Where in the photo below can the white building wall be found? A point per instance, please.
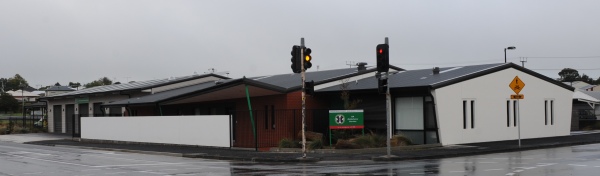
(63, 102)
(490, 93)
(212, 130)
(51, 113)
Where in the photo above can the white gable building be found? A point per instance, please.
(470, 104)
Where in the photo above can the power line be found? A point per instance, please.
(564, 68)
(566, 57)
(451, 63)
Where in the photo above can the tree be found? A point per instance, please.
(16, 83)
(568, 75)
(100, 82)
(106, 81)
(586, 78)
(57, 84)
(8, 103)
(345, 96)
(75, 85)
(43, 88)
(3, 84)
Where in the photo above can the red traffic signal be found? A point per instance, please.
(383, 57)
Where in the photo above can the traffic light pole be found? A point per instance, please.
(388, 110)
(303, 99)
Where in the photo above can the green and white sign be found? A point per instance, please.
(346, 119)
(82, 100)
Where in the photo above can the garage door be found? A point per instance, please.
(57, 119)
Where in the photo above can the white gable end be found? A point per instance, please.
(485, 115)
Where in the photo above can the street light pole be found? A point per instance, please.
(509, 48)
(23, 102)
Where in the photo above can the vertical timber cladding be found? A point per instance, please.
(57, 116)
(346, 119)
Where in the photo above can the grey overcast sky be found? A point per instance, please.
(81, 40)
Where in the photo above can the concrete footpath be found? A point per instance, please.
(410, 153)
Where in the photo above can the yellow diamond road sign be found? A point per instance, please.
(516, 85)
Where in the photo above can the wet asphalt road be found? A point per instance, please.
(23, 159)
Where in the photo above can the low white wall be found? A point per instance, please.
(210, 130)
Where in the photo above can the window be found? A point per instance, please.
(409, 113)
(468, 113)
(515, 112)
(272, 116)
(267, 117)
(507, 113)
(551, 112)
(546, 112)
(472, 113)
(464, 114)
(415, 117)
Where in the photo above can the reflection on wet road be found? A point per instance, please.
(576, 160)
(22, 159)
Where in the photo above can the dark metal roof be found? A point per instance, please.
(281, 83)
(192, 91)
(447, 76)
(292, 81)
(157, 97)
(140, 85)
(60, 88)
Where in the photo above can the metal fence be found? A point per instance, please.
(26, 124)
(265, 128)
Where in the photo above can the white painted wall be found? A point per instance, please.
(51, 104)
(490, 93)
(208, 130)
(93, 99)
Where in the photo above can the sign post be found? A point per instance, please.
(345, 120)
(517, 85)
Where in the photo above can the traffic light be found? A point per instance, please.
(309, 87)
(296, 56)
(383, 58)
(307, 58)
(382, 85)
